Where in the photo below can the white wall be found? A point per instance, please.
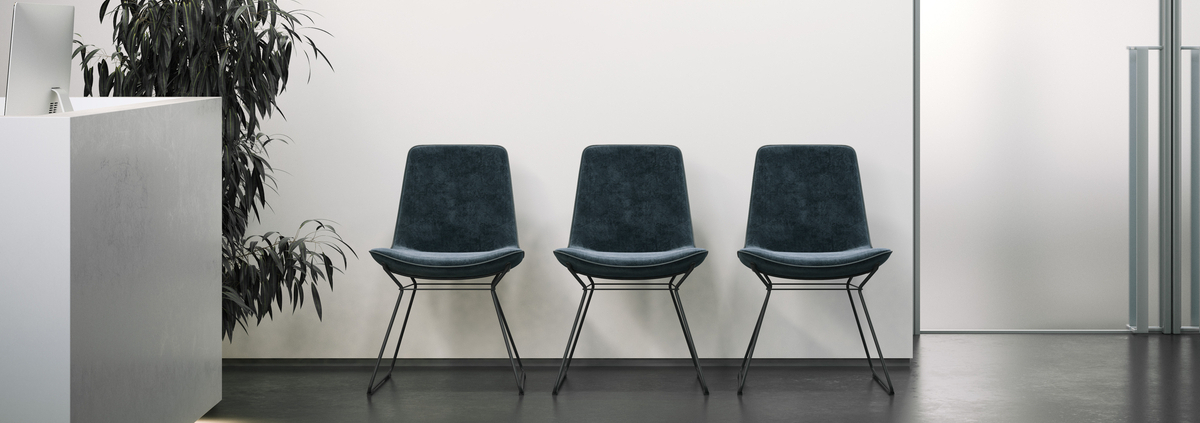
(1024, 161)
(545, 79)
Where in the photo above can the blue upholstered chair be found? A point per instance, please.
(808, 222)
(632, 223)
(456, 221)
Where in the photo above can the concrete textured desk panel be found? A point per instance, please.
(110, 292)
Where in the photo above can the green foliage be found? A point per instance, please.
(241, 51)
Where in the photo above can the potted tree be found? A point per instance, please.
(241, 51)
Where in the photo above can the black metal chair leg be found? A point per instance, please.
(372, 386)
(510, 345)
(745, 372)
(576, 328)
(687, 334)
(675, 302)
(508, 331)
(888, 387)
(583, 318)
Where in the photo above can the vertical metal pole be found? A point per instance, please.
(1169, 175)
(1139, 208)
(917, 167)
(1133, 186)
(1195, 167)
(1143, 195)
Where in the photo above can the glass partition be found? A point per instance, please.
(1025, 163)
(1190, 40)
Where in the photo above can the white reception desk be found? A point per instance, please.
(110, 267)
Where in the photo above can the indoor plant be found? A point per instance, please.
(241, 51)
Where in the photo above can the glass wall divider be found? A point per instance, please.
(1194, 138)
(1139, 188)
(1170, 225)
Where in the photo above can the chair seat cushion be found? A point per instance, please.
(626, 266)
(437, 265)
(814, 266)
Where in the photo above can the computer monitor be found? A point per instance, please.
(39, 59)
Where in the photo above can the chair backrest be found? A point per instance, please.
(456, 198)
(631, 198)
(807, 198)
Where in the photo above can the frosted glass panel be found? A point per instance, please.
(1024, 161)
(1190, 34)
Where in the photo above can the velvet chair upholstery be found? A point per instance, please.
(632, 222)
(808, 221)
(632, 219)
(456, 221)
(456, 218)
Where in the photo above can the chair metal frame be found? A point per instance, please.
(585, 302)
(510, 344)
(820, 286)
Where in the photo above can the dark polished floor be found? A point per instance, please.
(953, 378)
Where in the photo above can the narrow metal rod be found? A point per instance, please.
(863, 338)
(864, 282)
(745, 372)
(878, 349)
(765, 281)
(390, 275)
(500, 310)
(841, 287)
(509, 332)
(916, 169)
(1133, 186)
(675, 303)
(687, 335)
(460, 283)
(780, 284)
(684, 278)
(579, 333)
(510, 336)
(484, 288)
(412, 298)
(403, 326)
(371, 387)
(861, 335)
(634, 289)
(633, 284)
(562, 369)
(576, 276)
(509, 346)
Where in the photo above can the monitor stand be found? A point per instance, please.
(62, 103)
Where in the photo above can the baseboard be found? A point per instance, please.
(1024, 331)
(1152, 329)
(555, 362)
